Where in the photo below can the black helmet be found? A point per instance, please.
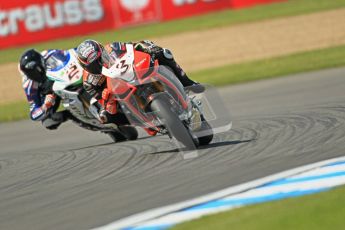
(33, 66)
(92, 56)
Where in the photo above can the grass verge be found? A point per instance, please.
(217, 19)
(273, 67)
(232, 74)
(318, 212)
(14, 111)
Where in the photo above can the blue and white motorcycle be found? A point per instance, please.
(67, 74)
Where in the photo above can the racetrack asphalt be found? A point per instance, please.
(77, 179)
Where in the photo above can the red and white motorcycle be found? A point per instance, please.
(153, 98)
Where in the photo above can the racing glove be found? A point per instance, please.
(147, 47)
(49, 101)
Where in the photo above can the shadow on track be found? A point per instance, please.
(209, 146)
(107, 144)
(224, 143)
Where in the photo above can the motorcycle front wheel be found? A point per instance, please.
(172, 122)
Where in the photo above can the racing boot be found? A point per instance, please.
(166, 58)
(191, 85)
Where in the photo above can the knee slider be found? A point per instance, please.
(167, 54)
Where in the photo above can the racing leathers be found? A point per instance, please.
(95, 84)
(166, 58)
(43, 102)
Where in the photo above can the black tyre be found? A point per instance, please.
(117, 136)
(125, 133)
(205, 140)
(172, 122)
(130, 132)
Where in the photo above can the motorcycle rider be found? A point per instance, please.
(38, 89)
(92, 56)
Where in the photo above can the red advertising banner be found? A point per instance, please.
(31, 21)
(247, 3)
(172, 9)
(130, 12)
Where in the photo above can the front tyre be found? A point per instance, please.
(172, 122)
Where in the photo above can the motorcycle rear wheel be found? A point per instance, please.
(117, 136)
(126, 133)
(130, 132)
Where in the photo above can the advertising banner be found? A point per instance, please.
(131, 12)
(30, 21)
(172, 9)
(247, 3)
(25, 22)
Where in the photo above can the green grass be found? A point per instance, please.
(219, 76)
(218, 19)
(273, 67)
(14, 111)
(232, 74)
(317, 212)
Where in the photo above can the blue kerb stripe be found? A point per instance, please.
(253, 200)
(336, 163)
(303, 179)
(153, 227)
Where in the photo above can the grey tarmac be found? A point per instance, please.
(77, 179)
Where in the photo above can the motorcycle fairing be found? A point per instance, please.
(65, 72)
(135, 94)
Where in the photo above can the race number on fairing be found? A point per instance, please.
(123, 67)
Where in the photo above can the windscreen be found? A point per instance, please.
(57, 60)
